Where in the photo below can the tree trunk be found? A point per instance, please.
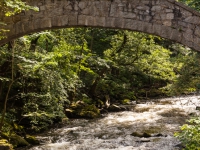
(8, 91)
(92, 41)
(92, 91)
(1, 87)
(33, 43)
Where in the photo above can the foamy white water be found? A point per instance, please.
(160, 118)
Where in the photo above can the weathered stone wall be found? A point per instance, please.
(165, 18)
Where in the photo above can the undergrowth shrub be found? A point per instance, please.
(190, 134)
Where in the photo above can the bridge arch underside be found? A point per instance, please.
(165, 18)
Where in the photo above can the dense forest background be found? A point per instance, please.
(44, 74)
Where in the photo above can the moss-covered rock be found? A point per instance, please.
(65, 120)
(78, 105)
(125, 101)
(154, 130)
(90, 111)
(4, 145)
(82, 110)
(18, 141)
(32, 140)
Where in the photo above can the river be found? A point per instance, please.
(148, 126)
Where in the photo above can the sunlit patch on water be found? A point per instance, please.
(158, 119)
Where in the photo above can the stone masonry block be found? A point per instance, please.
(193, 19)
(19, 28)
(81, 19)
(148, 27)
(109, 22)
(73, 19)
(197, 31)
(185, 42)
(157, 29)
(128, 23)
(27, 26)
(119, 23)
(166, 32)
(188, 35)
(56, 21)
(176, 35)
(99, 21)
(89, 21)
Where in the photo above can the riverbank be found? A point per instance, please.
(148, 126)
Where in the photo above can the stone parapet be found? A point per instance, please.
(165, 18)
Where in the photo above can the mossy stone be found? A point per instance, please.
(125, 101)
(18, 141)
(90, 111)
(82, 110)
(4, 145)
(32, 140)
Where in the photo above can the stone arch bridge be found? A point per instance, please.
(165, 18)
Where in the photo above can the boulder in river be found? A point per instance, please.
(32, 140)
(145, 135)
(197, 107)
(82, 110)
(143, 140)
(18, 141)
(4, 145)
(114, 108)
(118, 108)
(128, 102)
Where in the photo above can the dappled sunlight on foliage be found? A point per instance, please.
(53, 70)
(48, 76)
(190, 134)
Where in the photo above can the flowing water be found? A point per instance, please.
(149, 126)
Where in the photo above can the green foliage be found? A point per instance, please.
(188, 72)
(192, 3)
(55, 69)
(45, 103)
(39, 89)
(11, 7)
(126, 101)
(190, 134)
(90, 111)
(4, 143)
(139, 62)
(87, 100)
(83, 110)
